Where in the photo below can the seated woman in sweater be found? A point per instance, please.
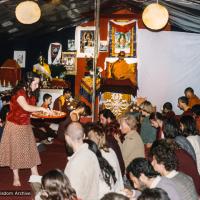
(132, 147)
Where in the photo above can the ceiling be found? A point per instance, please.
(61, 14)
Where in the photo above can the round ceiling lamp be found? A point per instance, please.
(28, 12)
(155, 16)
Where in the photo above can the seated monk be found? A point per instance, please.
(121, 70)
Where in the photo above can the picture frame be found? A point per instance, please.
(103, 46)
(20, 58)
(84, 41)
(70, 62)
(71, 45)
(122, 37)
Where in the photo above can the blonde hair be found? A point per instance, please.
(130, 120)
(147, 107)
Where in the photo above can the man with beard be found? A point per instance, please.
(142, 175)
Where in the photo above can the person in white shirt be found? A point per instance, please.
(82, 168)
(95, 132)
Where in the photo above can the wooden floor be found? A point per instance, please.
(53, 157)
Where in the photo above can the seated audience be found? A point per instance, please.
(111, 130)
(106, 117)
(81, 110)
(188, 129)
(147, 132)
(154, 194)
(196, 115)
(107, 178)
(171, 132)
(184, 152)
(60, 103)
(156, 120)
(167, 111)
(47, 100)
(114, 196)
(56, 185)
(192, 98)
(82, 168)
(142, 175)
(183, 105)
(97, 135)
(165, 162)
(132, 147)
(42, 127)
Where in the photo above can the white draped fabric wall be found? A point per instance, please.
(168, 62)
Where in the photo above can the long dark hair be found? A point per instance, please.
(189, 126)
(56, 186)
(25, 83)
(106, 169)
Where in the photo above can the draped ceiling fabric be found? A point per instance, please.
(184, 14)
(168, 62)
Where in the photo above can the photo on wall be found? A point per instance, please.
(103, 47)
(20, 57)
(71, 45)
(70, 62)
(84, 41)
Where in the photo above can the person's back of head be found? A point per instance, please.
(154, 194)
(56, 185)
(196, 109)
(188, 125)
(188, 89)
(156, 116)
(114, 196)
(140, 166)
(167, 106)
(106, 169)
(46, 96)
(164, 154)
(75, 131)
(183, 100)
(170, 128)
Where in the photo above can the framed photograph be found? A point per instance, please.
(70, 63)
(20, 57)
(71, 45)
(122, 37)
(103, 47)
(84, 41)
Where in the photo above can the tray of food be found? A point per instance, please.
(54, 114)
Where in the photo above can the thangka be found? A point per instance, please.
(122, 37)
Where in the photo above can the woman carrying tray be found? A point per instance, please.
(18, 148)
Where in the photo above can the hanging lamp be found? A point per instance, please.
(28, 12)
(155, 16)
